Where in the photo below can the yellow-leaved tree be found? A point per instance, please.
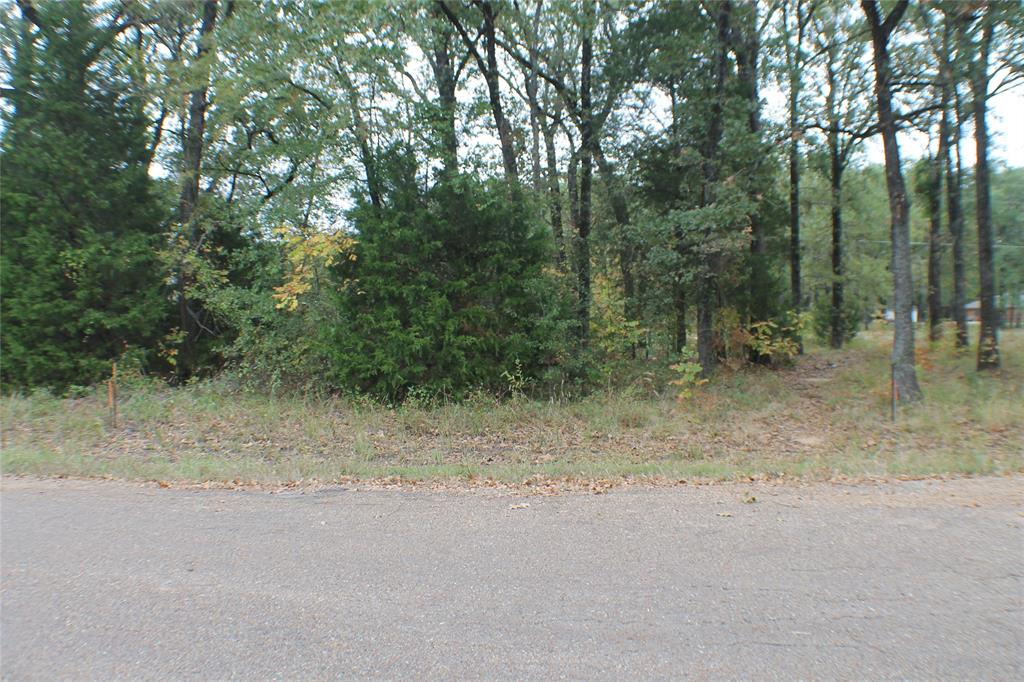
(309, 255)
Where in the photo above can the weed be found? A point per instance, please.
(824, 416)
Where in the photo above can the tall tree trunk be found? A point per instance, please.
(586, 178)
(795, 295)
(441, 64)
(705, 323)
(554, 194)
(488, 65)
(934, 201)
(508, 152)
(532, 83)
(903, 368)
(746, 47)
(572, 187)
(795, 85)
(679, 288)
(837, 321)
(679, 307)
(950, 131)
(192, 148)
(837, 318)
(191, 170)
(988, 342)
(706, 282)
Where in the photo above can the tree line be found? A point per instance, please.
(435, 197)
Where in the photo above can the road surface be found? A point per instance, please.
(914, 580)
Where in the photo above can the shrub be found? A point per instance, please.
(446, 292)
(821, 314)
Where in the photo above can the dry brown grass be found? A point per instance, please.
(826, 416)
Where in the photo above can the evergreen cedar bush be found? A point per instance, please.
(447, 293)
(821, 317)
(80, 278)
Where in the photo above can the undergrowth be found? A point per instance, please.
(828, 415)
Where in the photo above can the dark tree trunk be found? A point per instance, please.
(536, 115)
(586, 180)
(191, 170)
(192, 148)
(508, 152)
(572, 186)
(746, 47)
(950, 131)
(795, 85)
(988, 342)
(679, 291)
(934, 201)
(488, 65)
(904, 370)
(554, 194)
(705, 323)
(445, 80)
(679, 305)
(838, 323)
(796, 297)
(707, 283)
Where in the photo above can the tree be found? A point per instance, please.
(81, 224)
(847, 123)
(904, 372)
(978, 79)
(488, 66)
(796, 15)
(745, 40)
(445, 293)
(929, 187)
(949, 143)
(190, 172)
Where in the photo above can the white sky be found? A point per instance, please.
(1006, 129)
(1005, 125)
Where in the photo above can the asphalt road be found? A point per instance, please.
(918, 580)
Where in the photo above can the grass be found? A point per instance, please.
(827, 416)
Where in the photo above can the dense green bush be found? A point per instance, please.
(81, 281)
(853, 313)
(447, 292)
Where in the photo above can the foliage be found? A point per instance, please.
(450, 294)
(266, 346)
(81, 224)
(309, 256)
(689, 374)
(612, 333)
(821, 318)
(779, 341)
(358, 229)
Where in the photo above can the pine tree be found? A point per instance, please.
(81, 224)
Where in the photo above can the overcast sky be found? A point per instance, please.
(1006, 128)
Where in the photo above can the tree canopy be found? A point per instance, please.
(436, 197)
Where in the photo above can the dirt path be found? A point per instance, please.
(914, 580)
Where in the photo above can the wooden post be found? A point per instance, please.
(112, 395)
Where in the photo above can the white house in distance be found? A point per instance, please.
(890, 316)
